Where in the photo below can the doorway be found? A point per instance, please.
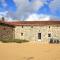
(39, 35)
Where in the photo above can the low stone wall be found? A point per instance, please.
(6, 32)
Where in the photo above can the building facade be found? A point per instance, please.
(37, 30)
(32, 30)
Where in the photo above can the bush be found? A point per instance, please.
(20, 41)
(6, 41)
(14, 40)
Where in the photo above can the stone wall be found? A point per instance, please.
(6, 32)
(31, 33)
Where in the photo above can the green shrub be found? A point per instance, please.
(20, 41)
(14, 40)
(4, 41)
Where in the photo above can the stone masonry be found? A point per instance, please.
(31, 33)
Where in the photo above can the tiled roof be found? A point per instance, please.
(33, 23)
(4, 23)
(4, 28)
(30, 23)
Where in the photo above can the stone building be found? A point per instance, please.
(34, 30)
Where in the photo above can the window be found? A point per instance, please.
(49, 35)
(22, 26)
(39, 35)
(49, 26)
(31, 26)
(21, 34)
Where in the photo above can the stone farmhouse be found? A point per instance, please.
(30, 30)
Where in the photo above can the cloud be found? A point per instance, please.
(4, 3)
(36, 17)
(25, 8)
(4, 13)
(55, 6)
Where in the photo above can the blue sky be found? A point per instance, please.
(21, 9)
(10, 5)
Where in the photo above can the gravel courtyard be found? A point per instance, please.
(29, 51)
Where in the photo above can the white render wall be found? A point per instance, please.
(31, 34)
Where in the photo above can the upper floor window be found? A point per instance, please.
(21, 34)
(31, 26)
(49, 35)
(49, 26)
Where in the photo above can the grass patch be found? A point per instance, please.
(21, 41)
(14, 40)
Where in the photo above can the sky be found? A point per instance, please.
(28, 9)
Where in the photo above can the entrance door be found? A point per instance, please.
(39, 35)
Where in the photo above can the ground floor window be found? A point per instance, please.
(49, 35)
(39, 35)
